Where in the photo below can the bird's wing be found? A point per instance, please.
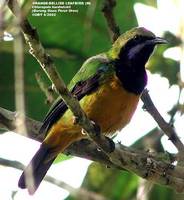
(84, 82)
(89, 68)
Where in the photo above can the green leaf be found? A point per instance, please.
(62, 157)
(160, 192)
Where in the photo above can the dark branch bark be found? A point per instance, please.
(10, 120)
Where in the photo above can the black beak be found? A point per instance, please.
(159, 40)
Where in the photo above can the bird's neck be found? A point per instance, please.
(132, 75)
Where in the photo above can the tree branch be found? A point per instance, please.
(165, 127)
(151, 166)
(43, 86)
(111, 22)
(10, 120)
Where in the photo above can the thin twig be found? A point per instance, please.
(166, 128)
(80, 193)
(108, 13)
(10, 120)
(44, 87)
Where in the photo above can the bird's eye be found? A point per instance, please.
(136, 38)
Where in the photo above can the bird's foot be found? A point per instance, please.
(96, 128)
(111, 144)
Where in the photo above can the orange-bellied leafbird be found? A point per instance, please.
(108, 87)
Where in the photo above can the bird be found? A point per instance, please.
(108, 87)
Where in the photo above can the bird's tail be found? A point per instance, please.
(43, 159)
(36, 169)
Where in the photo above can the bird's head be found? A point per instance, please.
(135, 46)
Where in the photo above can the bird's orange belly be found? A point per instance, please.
(111, 106)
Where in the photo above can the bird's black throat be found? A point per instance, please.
(131, 72)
